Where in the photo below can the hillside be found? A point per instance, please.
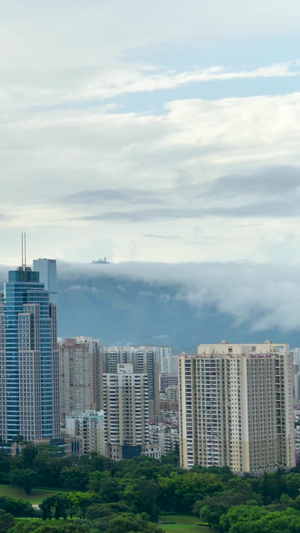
(174, 305)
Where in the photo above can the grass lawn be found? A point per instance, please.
(35, 497)
(183, 524)
(53, 522)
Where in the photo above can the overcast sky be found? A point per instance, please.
(150, 131)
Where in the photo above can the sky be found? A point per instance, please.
(150, 131)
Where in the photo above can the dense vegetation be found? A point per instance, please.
(104, 496)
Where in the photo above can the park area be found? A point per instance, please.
(35, 497)
(169, 523)
(183, 524)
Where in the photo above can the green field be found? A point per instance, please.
(183, 524)
(52, 522)
(35, 497)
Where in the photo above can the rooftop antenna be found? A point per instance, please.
(22, 248)
(25, 250)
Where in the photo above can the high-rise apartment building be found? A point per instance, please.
(145, 359)
(167, 380)
(168, 363)
(236, 407)
(79, 375)
(126, 412)
(96, 369)
(295, 354)
(89, 426)
(29, 370)
(76, 362)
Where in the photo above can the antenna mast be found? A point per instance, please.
(22, 237)
(25, 250)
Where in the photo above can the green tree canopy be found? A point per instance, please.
(24, 478)
(7, 521)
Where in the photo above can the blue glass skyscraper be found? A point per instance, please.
(29, 368)
(47, 270)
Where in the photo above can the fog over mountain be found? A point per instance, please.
(180, 304)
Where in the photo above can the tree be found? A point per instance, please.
(24, 478)
(109, 490)
(239, 492)
(292, 482)
(79, 501)
(142, 466)
(101, 510)
(37, 527)
(95, 479)
(62, 506)
(16, 506)
(128, 523)
(5, 465)
(209, 515)
(57, 506)
(48, 468)
(46, 507)
(25, 526)
(28, 454)
(241, 513)
(171, 459)
(93, 462)
(6, 521)
(74, 478)
(147, 494)
(180, 491)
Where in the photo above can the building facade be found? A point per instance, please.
(76, 362)
(48, 276)
(29, 367)
(236, 407)
(167, 380)
(89, 426)
(126, 412)
(168, 362)
(145, 359)
(96, 369)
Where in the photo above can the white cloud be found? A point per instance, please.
(79, 87)
(59, 59)
(265, 296)
(77, 32)
(52, 155)
(171, 80)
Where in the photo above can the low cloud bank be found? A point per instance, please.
(266, 296)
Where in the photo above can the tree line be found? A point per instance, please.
(100, 495)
